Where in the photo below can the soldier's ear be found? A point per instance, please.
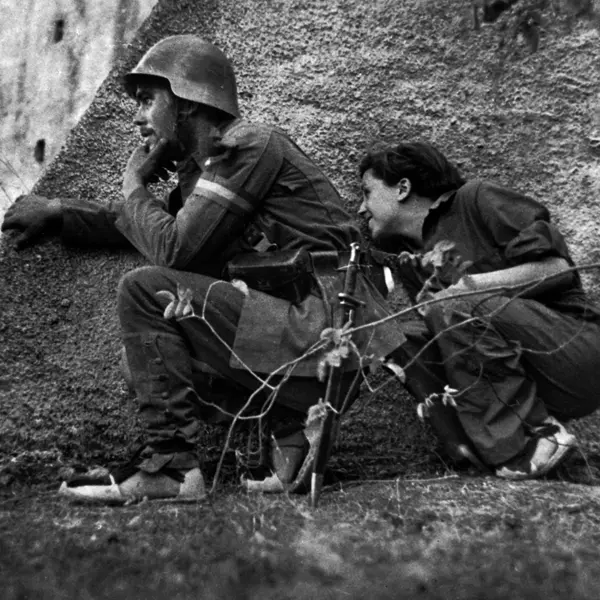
(186, 108)
(404, 188)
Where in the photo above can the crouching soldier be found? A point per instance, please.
(243, 189)
(522, 359)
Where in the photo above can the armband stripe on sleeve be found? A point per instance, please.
(240, 191)
(224, 196)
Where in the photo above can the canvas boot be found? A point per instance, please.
(167, 467)
(288, 452)
(161, 372)
(548, 446)
(287, 455)
(147, 476)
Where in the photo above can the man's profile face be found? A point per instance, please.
(380, 206)
(156, 116)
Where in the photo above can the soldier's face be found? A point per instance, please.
(156, 116)
(381, 207)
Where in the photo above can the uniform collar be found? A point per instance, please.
(442, 200)
(431, 218)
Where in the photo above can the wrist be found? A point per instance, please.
(130, 184)
(135, 191)
(55, 213)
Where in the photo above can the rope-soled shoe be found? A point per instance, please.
(131, 483)
(292, 458)
(544, 451)
(175, 486)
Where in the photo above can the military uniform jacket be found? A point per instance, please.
(257, 175)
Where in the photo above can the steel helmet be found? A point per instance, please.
(197, 71)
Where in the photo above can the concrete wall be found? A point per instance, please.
(55, 54)
(336, 74)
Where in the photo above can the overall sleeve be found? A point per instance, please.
(519, 225)
(91, 224)
(230, 189)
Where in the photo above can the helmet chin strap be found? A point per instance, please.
(181, 146)
(175, 150)
(194, 134)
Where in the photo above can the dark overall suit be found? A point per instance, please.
(519, 358)
(257, 176)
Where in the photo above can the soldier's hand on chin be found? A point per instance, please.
(33, 216)
(146, 166)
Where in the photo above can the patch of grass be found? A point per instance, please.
(460, 538)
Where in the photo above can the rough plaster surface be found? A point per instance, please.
(335, 74)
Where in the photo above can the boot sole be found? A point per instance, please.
(72, 496)
(73, 499)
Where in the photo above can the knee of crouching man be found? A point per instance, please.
(141, 281)
(142, 277)
(449, 310)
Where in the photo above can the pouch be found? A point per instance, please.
(285, 274)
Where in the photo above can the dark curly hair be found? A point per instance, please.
(429, 171)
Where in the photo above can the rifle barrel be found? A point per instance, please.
(334, 381)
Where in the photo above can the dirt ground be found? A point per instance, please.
(433, 538)
(399, 522)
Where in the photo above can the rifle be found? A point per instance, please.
(332, 399)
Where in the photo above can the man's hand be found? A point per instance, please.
(33, 216)
(146, 166)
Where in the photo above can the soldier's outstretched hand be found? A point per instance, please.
(32, 216)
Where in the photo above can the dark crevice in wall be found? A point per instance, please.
(59, 31)
(74, 60)
(126, 12)
(74, 69)
(3, 104)
(21, 117)
(39, 152)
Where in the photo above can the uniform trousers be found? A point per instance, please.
(162, 355)
(513, 361)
